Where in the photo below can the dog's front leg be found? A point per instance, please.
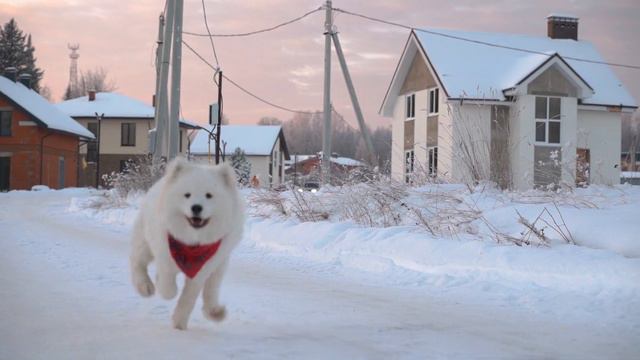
(185, 304)
(210, 295)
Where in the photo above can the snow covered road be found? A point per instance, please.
(65, 291)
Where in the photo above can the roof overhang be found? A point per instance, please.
(585, 90)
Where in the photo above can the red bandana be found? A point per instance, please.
(191, 258)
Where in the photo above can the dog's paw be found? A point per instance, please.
(144, 286)
(216, 313)
(180, 322)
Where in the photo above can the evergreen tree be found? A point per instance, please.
(241, 165)
(17, 50)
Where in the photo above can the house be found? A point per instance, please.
(121, 124)
(38, 143)
(264, 146)
(307, 167)
(523, 111)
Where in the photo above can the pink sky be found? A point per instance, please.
(285, 66)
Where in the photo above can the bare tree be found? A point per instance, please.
(96, 80)
(269, 120)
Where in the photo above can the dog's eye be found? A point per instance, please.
(187, 195)
(209, 196)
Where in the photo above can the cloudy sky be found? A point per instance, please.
(285, 66)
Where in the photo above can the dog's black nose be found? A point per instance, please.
(196, 209)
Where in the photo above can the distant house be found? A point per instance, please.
(38, 143)
(264, 146)
(122, 132)
(307, 167)
(464, 110)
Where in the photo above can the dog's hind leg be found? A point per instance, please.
(139, 260)
(185, 304)
(210, 295)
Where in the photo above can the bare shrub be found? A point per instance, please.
(138, 176)
(263, 202)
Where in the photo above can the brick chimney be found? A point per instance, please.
(11, 73)
(25, 79)
(562, 26)
(92, 95)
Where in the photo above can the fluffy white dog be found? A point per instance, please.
(189, 222)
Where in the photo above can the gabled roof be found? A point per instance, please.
(473, 70)
(252, 139)
(112, 105)
(42, 111)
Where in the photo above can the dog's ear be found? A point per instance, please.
(176, 166)
(228, 174)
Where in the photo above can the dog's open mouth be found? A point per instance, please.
(197, 222)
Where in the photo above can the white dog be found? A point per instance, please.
(189, 222)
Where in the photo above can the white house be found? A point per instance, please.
(264, 147)
(524, 111)
(122, 132)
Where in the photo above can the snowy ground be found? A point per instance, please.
(325, 290)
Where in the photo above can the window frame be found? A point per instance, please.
(410, 107)
(432, 160)
(10, 121)
(129, 141)
(408, 170)
(547, 121)
(434, 94)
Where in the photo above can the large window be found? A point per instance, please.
(128, 134)
(547, 120)
(409, 158)
(433, 101)
(411, 107)
(5, 123)
(92, 145)
(433, 161)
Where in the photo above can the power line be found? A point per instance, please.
(256, 31)
(242, 88)
(206, 24)
(636, 67)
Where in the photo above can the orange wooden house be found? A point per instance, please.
(38, 143)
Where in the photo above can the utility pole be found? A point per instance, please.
(354, 100)
(176, 62)
(162, 96)
(156, 106)
(219, 125)
(99, 137)
(326, 109)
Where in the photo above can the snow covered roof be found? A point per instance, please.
(468, 69)
(340, 160)
(112, 105)
(253, 139)
(43, 112)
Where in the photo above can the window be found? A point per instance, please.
(180, 148)
(433, 100)
(5, 123)
(92, 146)
(433, 161)
(123, 166)
(411, 106)
(408, 165)
(128, 134)
(547, 120)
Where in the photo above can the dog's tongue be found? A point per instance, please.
(191, 258)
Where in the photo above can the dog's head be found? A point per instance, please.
(200, 197)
